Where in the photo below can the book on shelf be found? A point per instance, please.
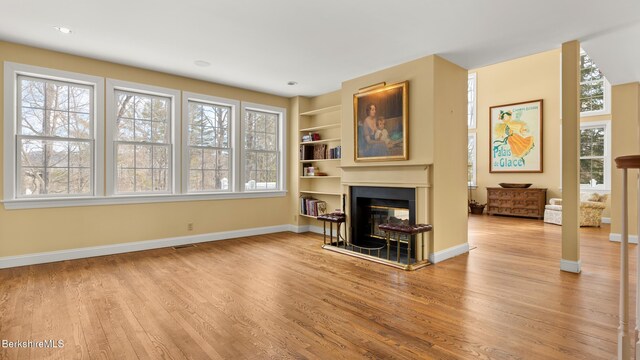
(335, 153)
(320, 151)
(312, 207)
(313, 152)
(306, 152)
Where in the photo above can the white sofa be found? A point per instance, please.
(591, 207)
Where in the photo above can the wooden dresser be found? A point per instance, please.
(516, 202)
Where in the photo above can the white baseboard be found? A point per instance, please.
(70, 254)
(606, 220)
(571, 266)
(307, 228)
(298, 229)
(448, 253)
(633, 239)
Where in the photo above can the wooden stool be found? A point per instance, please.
(625, 163)
(333, 218)
(410, 230)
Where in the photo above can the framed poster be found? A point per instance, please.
(380, 117)
(515, 133)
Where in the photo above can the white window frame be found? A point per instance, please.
(11, 73)
(474, 161)
(282, 124)
(175, 169)
(606, 110)
(474, 102)
(104, 152)
(234, 139)
(607, 154)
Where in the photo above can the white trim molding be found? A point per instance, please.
(11, 73)
(306, 228)
(174, 95)
(133, 199)
(234, 137)
(633, 239)
(282, 145)
(606, 124)
(445, 254)
(87, 252)
(571, 266)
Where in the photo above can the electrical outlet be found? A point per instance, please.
(190, 226)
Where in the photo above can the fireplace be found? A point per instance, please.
(371, 206)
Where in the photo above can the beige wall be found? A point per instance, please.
(626, 141)
(437, 134)
(419, 73)
(31, 231)
(528, 78)
(450, 166)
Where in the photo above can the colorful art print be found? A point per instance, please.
(515, 137)
(380, 123)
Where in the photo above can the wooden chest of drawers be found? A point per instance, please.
(516, 202)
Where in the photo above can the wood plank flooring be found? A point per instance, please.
(281, 296)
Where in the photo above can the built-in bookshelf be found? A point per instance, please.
(320, 150)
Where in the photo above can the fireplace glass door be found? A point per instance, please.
(386, 215)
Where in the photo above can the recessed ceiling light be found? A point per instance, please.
(62, 29)
(292, 83)
(202, 63)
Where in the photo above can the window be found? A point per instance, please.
(209, 138)
(595, 90)
(471, 124)
(262, 140)
(471, 159)
(55, 154)
(595, 155)
(471, 101)
(51, 135)
(141, 138)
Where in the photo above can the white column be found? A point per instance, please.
(623, 329)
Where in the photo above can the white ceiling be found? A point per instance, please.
(262, 45)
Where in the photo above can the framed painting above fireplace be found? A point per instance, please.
(380, 117)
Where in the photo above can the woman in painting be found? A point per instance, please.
(368, 145)
(515, 133)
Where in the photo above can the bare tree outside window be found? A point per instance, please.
(142, 142)
(592, 85)
(471, 159)
(55, 137)
(209, 147)
(592, 155)
(471, 101)
(261, 149)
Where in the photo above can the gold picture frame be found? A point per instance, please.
(381, 119)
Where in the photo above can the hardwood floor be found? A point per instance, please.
(282, 296)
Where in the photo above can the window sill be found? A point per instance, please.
(592, 190)
(588, 114)
(133, 199)
(595, 190)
